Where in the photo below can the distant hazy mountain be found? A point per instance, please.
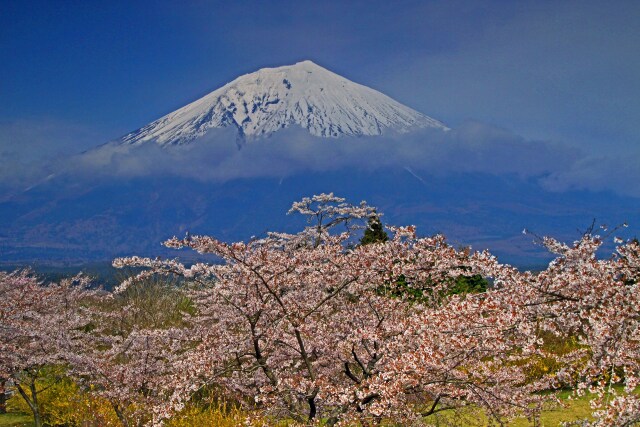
(303, 94)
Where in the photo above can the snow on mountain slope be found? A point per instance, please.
(303, 94)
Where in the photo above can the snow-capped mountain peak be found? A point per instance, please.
(304, 94)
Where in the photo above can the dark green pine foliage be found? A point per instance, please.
(374, 232)
(400, 288)
(424, 292)
(469, 285)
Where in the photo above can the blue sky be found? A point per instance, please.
(79, 73)
(543, 98)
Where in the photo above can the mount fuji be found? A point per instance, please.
(304, 94)
(231, 163)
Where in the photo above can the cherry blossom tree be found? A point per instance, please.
(41, 325)
(595, 300)
(577, 297)
(133, 373)
(132, 353)
(309, 326)
(326, 211)
(302, 324)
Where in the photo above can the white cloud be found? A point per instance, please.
(31, 149)
(32, 152)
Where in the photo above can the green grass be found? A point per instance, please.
(553, 414)
(16, 420)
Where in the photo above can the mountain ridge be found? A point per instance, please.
(304, 94)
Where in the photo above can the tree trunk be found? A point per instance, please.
(120, 414)
(3, 396)
(32, 402)
(37, 419)
(312, 407)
